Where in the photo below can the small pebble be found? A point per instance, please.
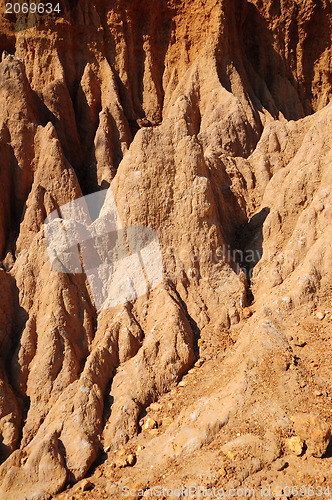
(222, 472)
(279, 464)
(295, 444)
(131, 459)
(85, 485)
(299, 341)
(149, 423)
(154, 407)
(199, 363)
(246, 312)
(125, 461)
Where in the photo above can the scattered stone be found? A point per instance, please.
(246, 312)
(317, 392)
(199, 363)
(320, 315)
(144, 122)
(131, 459)
(295, 444)
(279, 464)
(182, 383)
(109, 471)
(154, 407)
(139, 449)
(302, 384)
(87, 485)
(315, 431)
(200, 342)
(192, 370)
(299, 341)
(149, 423)
(222, 472)
(84, 485)
(121, 462)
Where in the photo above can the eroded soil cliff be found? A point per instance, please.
(209, 122)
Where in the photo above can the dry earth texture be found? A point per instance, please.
(208, 121)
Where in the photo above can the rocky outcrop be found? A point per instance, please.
(211, 126)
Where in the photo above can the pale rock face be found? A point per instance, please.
(210, 125)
